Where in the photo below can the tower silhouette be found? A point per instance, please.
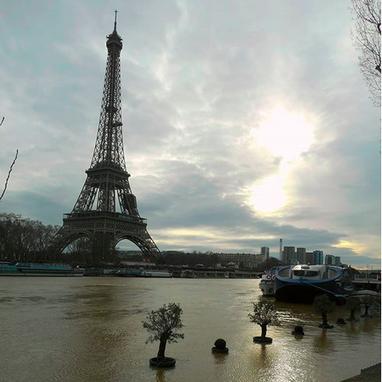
(106, 209)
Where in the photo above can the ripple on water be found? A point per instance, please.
(7, 299)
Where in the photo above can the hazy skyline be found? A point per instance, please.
(244, 121)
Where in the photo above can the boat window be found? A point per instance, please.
(311, 273)
(298, 273)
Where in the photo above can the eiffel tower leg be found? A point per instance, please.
(66, 235)
(57, 245)
(149, 248)
(142, 239)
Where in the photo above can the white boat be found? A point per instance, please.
(302, 282)
(268, 283)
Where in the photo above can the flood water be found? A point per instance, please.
(90, 329)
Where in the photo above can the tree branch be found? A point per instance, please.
(9, 173)
(368, 40)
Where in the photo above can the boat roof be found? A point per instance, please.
(314, 267)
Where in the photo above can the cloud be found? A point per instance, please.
(197, 79)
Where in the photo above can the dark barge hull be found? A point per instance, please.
(300, 292)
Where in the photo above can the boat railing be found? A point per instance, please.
(372, 276)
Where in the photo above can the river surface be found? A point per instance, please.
(90, 329)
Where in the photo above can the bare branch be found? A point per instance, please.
(2, 120)
(368, 41)
(9, 174)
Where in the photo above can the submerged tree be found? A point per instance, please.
(323, 305)
(368, 40)
(163, 325)
(368, 301)
(353, 304)
(264, 314)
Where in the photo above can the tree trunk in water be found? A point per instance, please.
(352, 315)
(324, 319)
(162, 348)
(263, 330)
(366, 310)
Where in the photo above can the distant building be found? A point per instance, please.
(260, 258)
(243, 260)
(301, 255)
(309, 258)
(289, 255)
(232, 265)
(329, 259)
(226, 258)
(318, 257)
(337, 261)
(265, 252)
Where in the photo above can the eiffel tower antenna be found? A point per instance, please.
(106, 210)
(115, 20)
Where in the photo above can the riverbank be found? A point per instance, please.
(370, 374)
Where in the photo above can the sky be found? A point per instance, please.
(244, 121)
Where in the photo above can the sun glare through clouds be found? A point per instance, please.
(267, 195)
(286, 135)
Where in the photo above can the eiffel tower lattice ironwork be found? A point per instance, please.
(106, 209)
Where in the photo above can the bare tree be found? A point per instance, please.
(23, 239)
(323, 305)
(368, 40)
(353, 304)
(368, 301)
(10, 168)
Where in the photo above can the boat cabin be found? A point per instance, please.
(312, 272)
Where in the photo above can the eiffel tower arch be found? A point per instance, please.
(106, 210)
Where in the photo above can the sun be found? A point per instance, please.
(285, 134)
(268, 195)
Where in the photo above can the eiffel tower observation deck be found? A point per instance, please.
(106, 210)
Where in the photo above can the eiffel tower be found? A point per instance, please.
(106, 209)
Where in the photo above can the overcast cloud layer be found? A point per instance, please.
(199, 80)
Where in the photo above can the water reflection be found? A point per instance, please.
(160, 375)
(96, 342)
(323, 343)
(352, 328)
(105, 319)
(220, 358)
(369, 325)
(262, 358)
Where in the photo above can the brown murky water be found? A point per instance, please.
(89, 329)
